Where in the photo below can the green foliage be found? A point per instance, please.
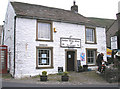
(80, 67)
(44, 73)
(65, 73)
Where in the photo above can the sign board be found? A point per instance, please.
(60, 70)
(109, 52)
(70, 42)
(78, 64)
(114, 42)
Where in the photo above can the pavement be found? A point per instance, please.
(81, 79)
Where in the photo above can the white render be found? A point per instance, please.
(9, 35)
(26, 43)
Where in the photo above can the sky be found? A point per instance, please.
(88, 8)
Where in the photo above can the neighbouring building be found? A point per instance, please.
(118, 32)
(41, 38)
(1, 34)
(111, 26)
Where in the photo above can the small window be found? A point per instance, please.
(44, 57)
(91, 56)
(44, 31)
(90, 35)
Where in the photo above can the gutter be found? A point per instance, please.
(14, 43)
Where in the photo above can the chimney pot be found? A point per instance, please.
(74, 8)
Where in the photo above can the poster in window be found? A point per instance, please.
(82, 56)
(69, 56)
(44, 61)
(43, 55)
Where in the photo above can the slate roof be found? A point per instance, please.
(50, 13)
(103, 22)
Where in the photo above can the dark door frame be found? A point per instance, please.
(75, 60)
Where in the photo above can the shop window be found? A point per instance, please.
(44, 57)
(91, 56)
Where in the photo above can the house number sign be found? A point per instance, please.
(70, 42)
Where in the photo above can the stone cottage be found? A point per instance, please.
(41, 38)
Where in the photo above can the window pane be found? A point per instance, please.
(88, 60)
(44, 30)
(92, 60)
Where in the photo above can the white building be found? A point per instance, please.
(44, 38)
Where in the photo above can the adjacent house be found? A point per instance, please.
(41, 38)
(118, 25)
(1, 34)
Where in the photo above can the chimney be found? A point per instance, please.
(118, 15)
(74, 8)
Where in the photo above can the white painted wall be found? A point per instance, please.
(119, 7)
(26, 45)
(9, 35)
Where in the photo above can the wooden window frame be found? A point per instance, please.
(94, 36)
(44, 67)
(95, 49)
(51, 31)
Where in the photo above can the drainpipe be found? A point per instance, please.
(14, 43)
(3, 34)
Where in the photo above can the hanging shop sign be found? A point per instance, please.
(114, 42)
(70, 42)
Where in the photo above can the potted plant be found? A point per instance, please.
(80, 69)
(65, 76)
(85, 67)
(43, 77)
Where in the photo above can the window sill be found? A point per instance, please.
(91, 65)
(44, 40)
(90, 43)
(44, 67)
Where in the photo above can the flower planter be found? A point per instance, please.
(64, 78)
(43, 78)
(85, 67)
(80, 70)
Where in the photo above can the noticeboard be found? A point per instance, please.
(114, 42)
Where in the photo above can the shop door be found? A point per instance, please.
(3, 59)
(70, 60)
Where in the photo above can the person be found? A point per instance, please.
(99, 61)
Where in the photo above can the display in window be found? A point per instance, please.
(44, 61)
(82, 56)
(44, 56)
(69, 56)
